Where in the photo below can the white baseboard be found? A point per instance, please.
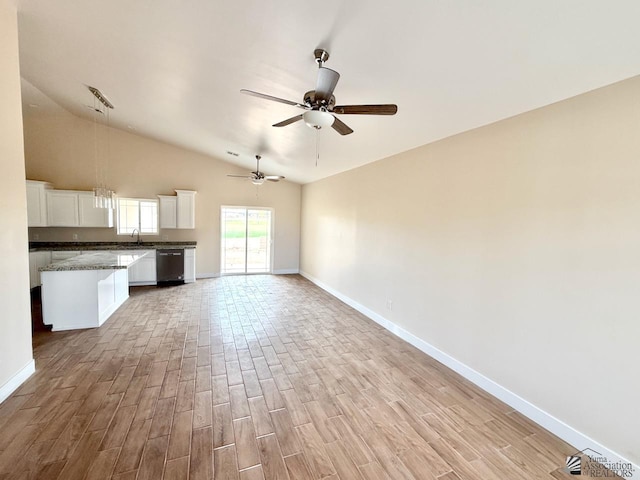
(286, 271)
(567, 433)
(201, 276)
(18, 379)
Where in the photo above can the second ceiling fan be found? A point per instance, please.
(257, 177)
(320, 104)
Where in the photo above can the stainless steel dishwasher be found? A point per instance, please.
(170, 266)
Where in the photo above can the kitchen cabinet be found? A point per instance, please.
(143, 272)
(85, 292)
(168, 211)
(189, 265)
(37, 203)
(90, 216)
(62, 208)
(69, 208)
(37, 260)
(186, 209)
(34, 280)
(82, 298)
(178, 211)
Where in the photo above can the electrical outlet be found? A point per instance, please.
(389, 304)
(165, 237)
(75, 236)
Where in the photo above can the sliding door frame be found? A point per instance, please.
(271, 238)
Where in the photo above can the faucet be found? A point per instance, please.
(134, 232)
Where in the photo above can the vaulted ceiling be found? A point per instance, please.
(174, 69)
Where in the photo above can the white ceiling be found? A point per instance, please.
(174, 69)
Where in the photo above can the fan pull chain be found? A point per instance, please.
(317, 146)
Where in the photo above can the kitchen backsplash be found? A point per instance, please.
(70, 234)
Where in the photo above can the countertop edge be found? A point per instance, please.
(72, 246)
(88, 262)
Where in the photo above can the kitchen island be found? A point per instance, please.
(84, 291)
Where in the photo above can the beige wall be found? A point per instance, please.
(15, 319)
(60, 148)
(514, 248)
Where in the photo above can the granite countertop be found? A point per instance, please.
(95, 261)
(69, 246)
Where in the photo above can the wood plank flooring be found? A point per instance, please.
(251, 378)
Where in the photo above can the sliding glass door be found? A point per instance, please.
(245, 240)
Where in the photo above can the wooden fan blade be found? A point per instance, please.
(273, 99)
(388, 109)
(327, 81)
(288, 121)
(274, 178)
(240, 176)
(341, 127)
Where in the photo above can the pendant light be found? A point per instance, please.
(103, 196)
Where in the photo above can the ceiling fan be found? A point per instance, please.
(320, 104)
(257, 177)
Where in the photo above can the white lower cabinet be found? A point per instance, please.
(82, 298)
(37, 260)
(189, 265)
(113, 290)
(143, 272)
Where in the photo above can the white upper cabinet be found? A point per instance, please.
(178, 211)
(62, 208)
(37, 203)
(69, 208)
(186, 209)
(168, 211)
(91, 216)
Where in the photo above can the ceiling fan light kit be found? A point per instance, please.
(320, 104)
(318, 119)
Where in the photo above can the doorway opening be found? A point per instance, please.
(245, 242)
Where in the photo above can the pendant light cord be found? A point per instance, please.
(95, 139)
(106, 162)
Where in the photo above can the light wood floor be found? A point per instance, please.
(256, 377)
